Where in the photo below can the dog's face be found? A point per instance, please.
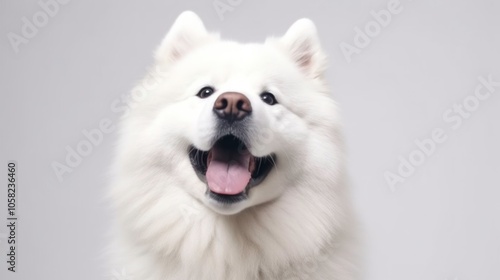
(241, 115)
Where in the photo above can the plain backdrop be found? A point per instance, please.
(441, 223)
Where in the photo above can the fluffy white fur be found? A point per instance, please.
(296, 224)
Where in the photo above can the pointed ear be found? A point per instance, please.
(186, 34)
(302, 43)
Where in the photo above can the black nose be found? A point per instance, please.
(232, 106)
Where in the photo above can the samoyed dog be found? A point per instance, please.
(231, 166)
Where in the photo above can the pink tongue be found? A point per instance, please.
(228, 177)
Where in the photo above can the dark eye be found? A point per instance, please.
(268, 98)
(205, 92)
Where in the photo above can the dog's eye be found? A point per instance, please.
(205, 92)
(268, 98)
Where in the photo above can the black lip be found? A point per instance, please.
(227, 199)
(263, 166)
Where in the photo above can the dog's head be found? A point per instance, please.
(242, 121)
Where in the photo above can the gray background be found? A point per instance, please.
(441, 223)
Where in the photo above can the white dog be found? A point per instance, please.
(231, 166)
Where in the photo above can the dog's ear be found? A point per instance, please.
(186, 34)
(302, 42)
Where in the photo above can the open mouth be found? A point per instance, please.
(229, 169)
